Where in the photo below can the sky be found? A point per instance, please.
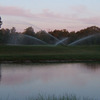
(72, 15)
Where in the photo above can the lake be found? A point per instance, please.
(19, 81)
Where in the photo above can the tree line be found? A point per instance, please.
(59, 34)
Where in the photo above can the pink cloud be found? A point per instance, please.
(92, 20)
(48, 13)
(15, 11)
(85, 16)
(78, 17)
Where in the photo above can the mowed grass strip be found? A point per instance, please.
(37, 53)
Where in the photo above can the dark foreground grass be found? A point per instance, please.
(49, 53)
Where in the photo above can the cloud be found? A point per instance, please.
(46, 13)
(84, 15)
(15, 11)
(92, 20)
(78, 17)
(79, 9)
(20, 12)
(50, 14)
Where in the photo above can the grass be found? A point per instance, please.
(49, 53)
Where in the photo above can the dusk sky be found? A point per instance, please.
(50, 14)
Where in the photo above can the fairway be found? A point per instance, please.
(49, 53)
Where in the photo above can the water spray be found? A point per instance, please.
(82, 39)
(61, 41)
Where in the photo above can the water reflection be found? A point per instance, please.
(82, 79)
(92, 66)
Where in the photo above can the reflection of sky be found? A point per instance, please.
(26, 80)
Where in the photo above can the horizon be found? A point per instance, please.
(52, 30)
(49, 15)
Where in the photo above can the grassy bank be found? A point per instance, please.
(49, 53)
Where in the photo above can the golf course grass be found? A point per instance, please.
(49, 53)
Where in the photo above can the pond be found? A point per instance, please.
(19, 81)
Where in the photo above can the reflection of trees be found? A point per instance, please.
(92, 66)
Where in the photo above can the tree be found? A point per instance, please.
(88, 31)
(29, 31)
(1, 37)
(13, 30)
(59, 33)
(4, 35)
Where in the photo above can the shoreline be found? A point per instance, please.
(48, 61)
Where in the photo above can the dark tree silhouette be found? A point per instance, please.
(59, 33)
(13, 30)
(29, 31)
(5, 34)
(0, 22)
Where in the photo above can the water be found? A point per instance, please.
(61, 41)
(80, 40)
(36, 39)
(52, 36)
(50, 39)
(39, 29)
(29, 80)
(22, 24)
(20, 39)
